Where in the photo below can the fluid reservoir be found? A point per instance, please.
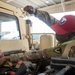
(46, 41)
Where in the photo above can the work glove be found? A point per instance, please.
(30, 9)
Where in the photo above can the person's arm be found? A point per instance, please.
(46, 18)
(42, 15)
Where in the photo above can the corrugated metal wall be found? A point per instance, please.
(58, 8)
(71, 7)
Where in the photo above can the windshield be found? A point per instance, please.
(9, 27)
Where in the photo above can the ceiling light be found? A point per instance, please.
(47, 1)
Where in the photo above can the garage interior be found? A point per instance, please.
(51, 6)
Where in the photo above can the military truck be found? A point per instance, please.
(15, 34)
(17, 44)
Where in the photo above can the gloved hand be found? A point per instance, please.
(29, 9)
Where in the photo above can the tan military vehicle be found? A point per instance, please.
(15, 35)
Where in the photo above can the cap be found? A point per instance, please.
(65, 25)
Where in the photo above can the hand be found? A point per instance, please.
(1, 54)
(3, 60)
(29, 9)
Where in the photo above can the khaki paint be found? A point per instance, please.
(6, 45)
